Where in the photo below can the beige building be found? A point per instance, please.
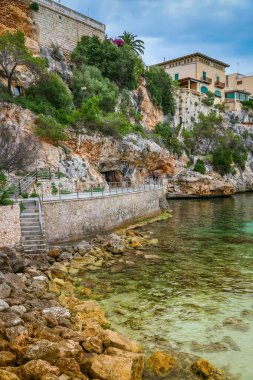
(198, 73)
(239, 83)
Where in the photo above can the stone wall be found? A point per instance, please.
(75, 219)
(62, 26)
(10, 231)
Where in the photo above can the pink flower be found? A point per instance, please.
(118, 41)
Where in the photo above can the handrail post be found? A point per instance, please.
(19, 186)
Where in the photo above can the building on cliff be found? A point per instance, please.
(198, 73)
(239, 86)
(63, 26)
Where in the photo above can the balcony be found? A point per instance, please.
(220, 84)
(206, 80)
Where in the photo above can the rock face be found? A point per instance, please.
(151, 115)
(192, 184)
(15, 15)
(57, 62)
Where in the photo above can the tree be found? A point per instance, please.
(16, 154)
(119, 64)
(135, 44)
(13, 54)
(88, 81)
(160, 88)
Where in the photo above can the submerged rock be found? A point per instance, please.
(160, 363)
(236, 324)
(207, 371)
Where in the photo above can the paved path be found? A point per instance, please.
(96, 194)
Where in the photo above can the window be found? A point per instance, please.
(203, 89)
(177, 76)
(239, 82)
(217, 93)
(218, 79)
(204, 75)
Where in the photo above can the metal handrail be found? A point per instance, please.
(40, 214)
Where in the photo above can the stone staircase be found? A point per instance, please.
(32, 235)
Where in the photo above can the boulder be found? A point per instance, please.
(207, 371)
(123, 366)
(7, 359)
(65, 256)
(115, 244)
(58, 312)
(5, 291)
(6, 375)
(67, 363)
(3, 305)
(113, 339)
(160, 363)
(93, 344)
(34, 369)
(83, 247)
(44, 350)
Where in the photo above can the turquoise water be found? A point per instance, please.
(205, 276)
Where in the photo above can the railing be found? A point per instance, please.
(206, 80)
(109, 189)
(73, 14)
(219, 84)
(40, 214)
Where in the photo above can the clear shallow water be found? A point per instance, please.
(206, 276)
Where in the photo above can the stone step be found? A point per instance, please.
(33, 238)
(34, 232)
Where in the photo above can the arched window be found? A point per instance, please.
(203, 89)
(217, 93)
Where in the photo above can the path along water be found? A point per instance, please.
(206, 276)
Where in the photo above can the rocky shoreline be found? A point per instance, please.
(50, 328)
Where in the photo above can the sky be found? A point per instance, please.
(222, 29)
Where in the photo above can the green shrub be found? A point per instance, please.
(34, 194)
(34, 6)
(200, 167)
(6, 202)
(47, 127)
(160, 88)
(119, 64)
(49, 96)
(169, 138)
(209, 99)
(25, 195)
(22, 206)
(87, 82)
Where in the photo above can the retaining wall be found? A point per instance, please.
(10, 231)
(75, 219)
(62, 26)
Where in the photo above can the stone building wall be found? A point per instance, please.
(10, 231)
(62, 26)
(75, 219)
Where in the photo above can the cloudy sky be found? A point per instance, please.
(222, 29)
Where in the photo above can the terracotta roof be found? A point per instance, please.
(193, 55)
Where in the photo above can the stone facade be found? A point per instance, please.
(62, 26)
(75, 219)
(10, 231)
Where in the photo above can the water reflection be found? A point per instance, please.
(204, 279)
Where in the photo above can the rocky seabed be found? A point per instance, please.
(51, 329)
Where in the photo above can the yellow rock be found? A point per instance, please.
(207, 371)
(161, 363)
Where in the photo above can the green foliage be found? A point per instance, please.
(13, 53)
(228, 152)
(248, 105)
(89, 118)
(200, 167)
(54, 189)
(3, 180)
(6, 201)
(209, 99)
(48, 96)
(34, 194)
(203, 133)
(25, 195)
(135, 44)
(160, 87)
(220, 107)
(22, 206)
(120, 65)
(4, 195)
(127, 107)
(169, 138)
(88, 81)
(34, 6)
(48, 128)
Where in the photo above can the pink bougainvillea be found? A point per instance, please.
(118, 41)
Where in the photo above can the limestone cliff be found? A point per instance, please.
(15, 15)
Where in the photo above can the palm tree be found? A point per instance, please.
(135, 44)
